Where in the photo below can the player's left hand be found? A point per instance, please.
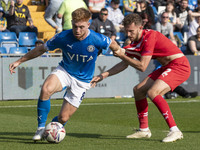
(95, 80)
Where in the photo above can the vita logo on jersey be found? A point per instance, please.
(82, 58)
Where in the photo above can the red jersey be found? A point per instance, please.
(152, 43)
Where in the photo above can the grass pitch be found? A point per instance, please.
(100, 124)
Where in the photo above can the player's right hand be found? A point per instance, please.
(95, 80)
(119, 52)
(13, 66)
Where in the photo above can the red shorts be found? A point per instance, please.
(174, 73)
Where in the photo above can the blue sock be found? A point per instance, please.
(55, 119)
(43, 109)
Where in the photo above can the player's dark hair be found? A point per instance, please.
(81, 14)
(132, 18)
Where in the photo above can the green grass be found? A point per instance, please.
(102, 126)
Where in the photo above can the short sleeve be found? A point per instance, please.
(52, 44)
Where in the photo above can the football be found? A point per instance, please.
(54, 132)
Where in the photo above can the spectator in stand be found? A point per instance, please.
(170, 9)
(3, 21)
(165, 27)
(129, 6)
(115, 15)
(143, 6)
(19, 14)
(182, 13)
(104, 26)
(158, 3)
(6, 5)
(194, 19)
(95, 7)
(51, 15)
(147, 24)
(193, 47)
(65, 10)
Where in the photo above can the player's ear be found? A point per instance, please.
(88, 24)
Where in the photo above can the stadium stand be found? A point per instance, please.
(121, 37)
(27, 39)
(8, 36)
(18, 50)
(8, 39)
(3, 51)
(45, 31)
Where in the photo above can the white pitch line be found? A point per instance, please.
(93, 104)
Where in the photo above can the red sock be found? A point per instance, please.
(142, 112)
(163, 107)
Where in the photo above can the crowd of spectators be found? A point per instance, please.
(166, 16)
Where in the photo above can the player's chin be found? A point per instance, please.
(78, 36)
(132, 38)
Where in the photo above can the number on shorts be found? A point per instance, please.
(82, 96)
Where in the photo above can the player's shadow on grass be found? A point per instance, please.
(84, 135)
(100, 136)
(19, 137)
(15, 136)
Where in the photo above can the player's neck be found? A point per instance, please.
(85, 35)
(139, 36)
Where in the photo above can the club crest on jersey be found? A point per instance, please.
(90, 48)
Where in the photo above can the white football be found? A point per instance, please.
(54, 132)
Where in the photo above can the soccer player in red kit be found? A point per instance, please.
(146, 45)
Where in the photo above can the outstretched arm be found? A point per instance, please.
(30, 55)
(114, 70)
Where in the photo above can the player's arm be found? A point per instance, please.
(114, 70)
(115, 47)
(37, 51)
(141, 64)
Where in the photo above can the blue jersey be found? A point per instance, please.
(79, 56)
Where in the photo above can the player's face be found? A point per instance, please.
(133, 32)
(80, 29)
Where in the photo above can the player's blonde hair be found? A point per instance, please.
(81, 14)
(132, 18)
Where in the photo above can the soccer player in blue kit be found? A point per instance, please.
(80, 47)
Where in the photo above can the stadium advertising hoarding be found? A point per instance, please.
(29, 76)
